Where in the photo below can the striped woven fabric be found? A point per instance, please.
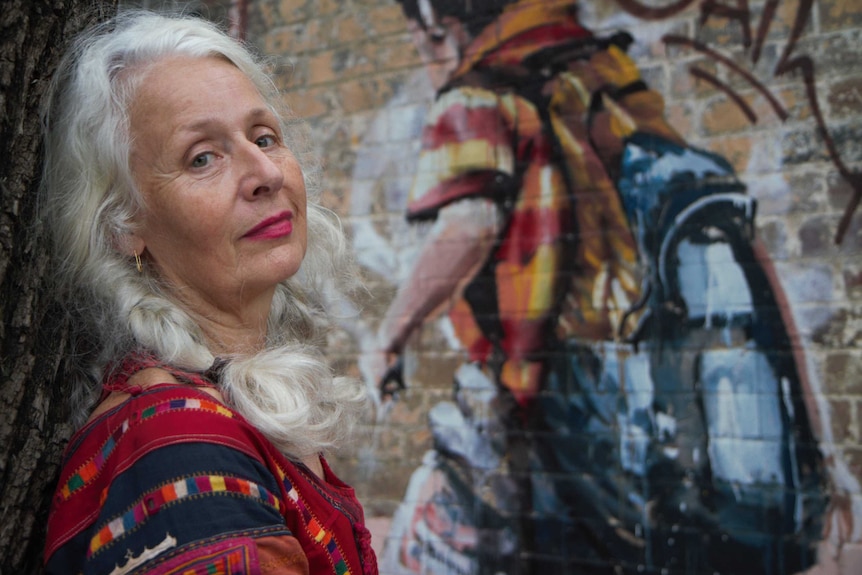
(172, 479)
(152, 502)
(90, 469)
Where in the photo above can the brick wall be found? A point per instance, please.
(793, 140)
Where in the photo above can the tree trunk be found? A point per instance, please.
(33, 410)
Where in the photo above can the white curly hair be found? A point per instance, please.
(89, 197)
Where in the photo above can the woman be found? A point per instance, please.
(179, 217)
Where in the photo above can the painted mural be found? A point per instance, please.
(633, 395)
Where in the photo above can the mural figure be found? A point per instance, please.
(631, 400)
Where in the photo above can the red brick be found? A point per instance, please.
(358, 95)
(680, 115)
(723, 116)
(722, 32)
(815, 236)
(735, 149)
(839, 191)
(794, 101)
(385, 20)
(293, 39)
(833, 54)
(320, 68)
(856, 425)
(853, 288)
(840, 419)
(309, 103)
(842, 369)
(831, 335)
(684, 85)
(345, 29)
(785, 19)
(840, 14)
(789, 192)
(845, 97)
(397, 55)
(851, 240)
(293, 10)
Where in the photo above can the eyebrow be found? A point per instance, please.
(199, 125)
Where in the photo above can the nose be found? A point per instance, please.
(261, 173)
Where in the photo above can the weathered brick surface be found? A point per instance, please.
(354, 58)
(840, 15)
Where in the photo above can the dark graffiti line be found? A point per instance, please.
(799, 22)
(730, 92)
(654, 12)
(671, 39)
(763, 28)
(805, 66)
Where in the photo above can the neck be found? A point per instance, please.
(239, 328)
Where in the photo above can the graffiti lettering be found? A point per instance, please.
(763, 28)
(718, 57)
(737, 99)
(805, 66)
(787, 63)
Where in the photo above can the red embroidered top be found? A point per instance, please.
(173, 481)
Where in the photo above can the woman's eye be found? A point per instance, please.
(266, 141)
(202, 160)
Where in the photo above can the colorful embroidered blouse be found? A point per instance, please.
(172, 481)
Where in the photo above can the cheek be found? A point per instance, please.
(184, 225)
(301, 229)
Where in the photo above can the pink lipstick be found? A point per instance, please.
(277, 226)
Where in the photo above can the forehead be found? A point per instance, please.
(185, 83)
(178, 95)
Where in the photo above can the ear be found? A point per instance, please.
(130, 244)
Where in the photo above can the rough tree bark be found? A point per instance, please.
(33, 432)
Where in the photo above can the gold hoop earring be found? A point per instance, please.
(138, 263)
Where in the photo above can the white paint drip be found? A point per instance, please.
(134, 562)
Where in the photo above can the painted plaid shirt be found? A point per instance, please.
(524, 137)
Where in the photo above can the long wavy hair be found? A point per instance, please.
(89, 198)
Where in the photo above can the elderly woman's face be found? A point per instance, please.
(225, 213)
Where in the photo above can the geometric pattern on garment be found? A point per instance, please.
(231, 557)
(152, 502)
(91, 469)
(318, 533)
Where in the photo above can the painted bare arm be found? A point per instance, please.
(459, 241)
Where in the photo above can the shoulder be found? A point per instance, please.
(170, 462)
(145, 421)
(143, 380)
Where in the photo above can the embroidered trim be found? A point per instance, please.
(90, 470)
(152, 502)
(318, 533)
(235, 556)
(185, 403)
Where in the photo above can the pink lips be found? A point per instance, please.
(277, 226)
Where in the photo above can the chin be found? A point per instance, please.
(286, 270)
